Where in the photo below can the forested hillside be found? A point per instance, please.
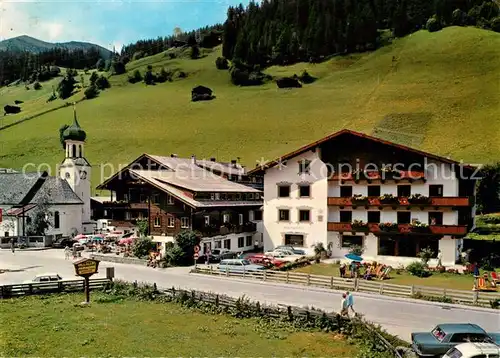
(289, 31)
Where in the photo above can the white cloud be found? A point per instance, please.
(54, 30)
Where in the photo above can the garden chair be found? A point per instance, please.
(379, 268)
(495, 278)
(385, 273)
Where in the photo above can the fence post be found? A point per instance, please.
(308, 279)
(412, 290)
(356, 283)
(331, 282)
(381, 290)
(287, 276)
(265, 275)
(475, 296)
(211, 270)
(227, 272)
(444, 292)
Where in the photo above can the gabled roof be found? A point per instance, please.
(19, 188)
(356, 134)
(174, 164)
(186, 196)
(57, 191)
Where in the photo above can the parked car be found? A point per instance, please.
(239, 266)
(264, 259)
(63, 243)
(474, 350)
(217, 255)
(446, 336)
(43, 278)
(296, 251)
(287, 256)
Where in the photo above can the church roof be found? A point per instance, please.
(16, 187)
(74, 131)
(58, 192)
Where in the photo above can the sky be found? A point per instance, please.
(107, 22)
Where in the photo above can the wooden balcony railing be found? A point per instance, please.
(400, 228)
(401, 201)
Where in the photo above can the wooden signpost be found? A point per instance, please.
(86, 268)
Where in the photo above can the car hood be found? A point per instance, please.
(495, 337)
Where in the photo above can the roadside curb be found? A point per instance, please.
(360, 294)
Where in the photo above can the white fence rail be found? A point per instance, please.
(359, 285)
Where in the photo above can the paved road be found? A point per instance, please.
(397, 316)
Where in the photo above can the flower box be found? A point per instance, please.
(418, 199)
(359, 199)
(359, 225)
(388, 199)
(388, 227)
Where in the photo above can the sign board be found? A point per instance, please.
(86, 267)
(197, 249)
(196, 255)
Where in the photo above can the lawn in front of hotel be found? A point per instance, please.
(443, 280)
(57, 325)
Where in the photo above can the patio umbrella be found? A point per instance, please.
(127, 240)
(353, 257)
(99, 236)
(79, 237)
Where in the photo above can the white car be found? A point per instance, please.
(284, 255)
(474, 350)
(45, 277)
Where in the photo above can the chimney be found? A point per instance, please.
(212, 159)
(173, 155)
(193, 159)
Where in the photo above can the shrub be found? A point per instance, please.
(222, 63)
(37, 86)
(418, 269)
(495, 24)
(142, 246)
(149, 78)
(102, 83)
(137, 55)
(356, 250)
(195, 52)
(319, 251)
(425, 255)
(459, 18)
(137, 77)
(91, 92)
(163, 76)
(433, 24)
(306, 78)
(495, 304)
(118, 67)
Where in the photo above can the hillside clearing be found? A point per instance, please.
(434, 91)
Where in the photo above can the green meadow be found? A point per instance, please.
(438, 92)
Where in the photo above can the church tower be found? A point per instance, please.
(75, 169)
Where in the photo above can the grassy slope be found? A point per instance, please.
(59, 327)
(440, 94)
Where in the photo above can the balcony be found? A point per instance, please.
(215, 230)
(401, 201)
(399, 228)
(378, 175)
(125, 205)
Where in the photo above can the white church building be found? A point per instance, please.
(63, 200)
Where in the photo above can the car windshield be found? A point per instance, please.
(454, 353)
(438, 333)
(216, 252)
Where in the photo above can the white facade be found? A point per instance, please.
(314, 231)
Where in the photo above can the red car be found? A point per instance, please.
(263, 259)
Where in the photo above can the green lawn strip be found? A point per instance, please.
(56, 325)
(442, 280)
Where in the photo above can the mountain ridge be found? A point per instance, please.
(31, 44)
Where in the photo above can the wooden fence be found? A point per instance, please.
(280, 311)
(359, 285)
(23, 289)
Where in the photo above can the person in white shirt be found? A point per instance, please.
(343, 305)
(440, 258)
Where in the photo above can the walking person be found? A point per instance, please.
(66, 253)
(343, 306)
(12, 245)
(350, 302)
(440, 258)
